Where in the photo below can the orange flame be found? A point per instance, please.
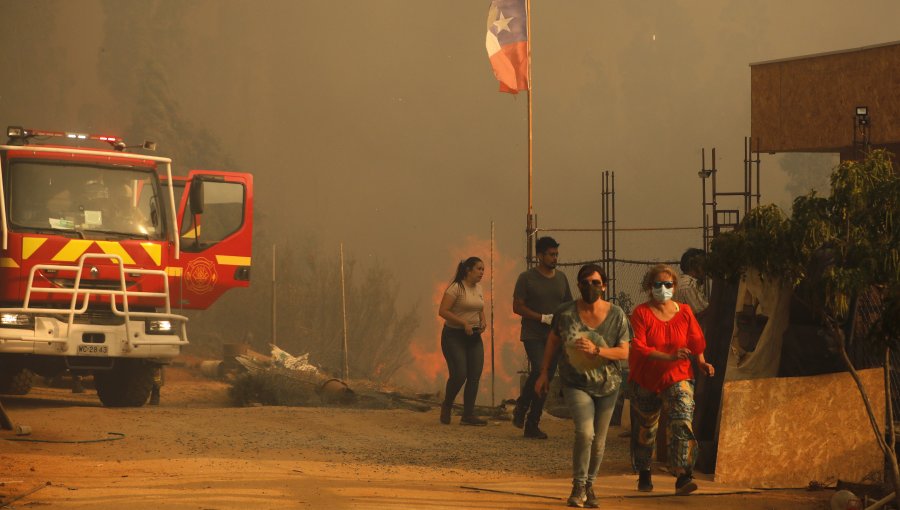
(428, 372)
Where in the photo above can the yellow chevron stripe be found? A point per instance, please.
(8, 262)
(174, 271)
(114, 248)
(192, 233)
(155, 252)
(231, 260)
(72, 250)
(30, 245)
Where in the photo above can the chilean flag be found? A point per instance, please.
(507, 46)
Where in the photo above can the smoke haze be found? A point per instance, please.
(378, 123)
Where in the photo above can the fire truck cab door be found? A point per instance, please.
(215, 218)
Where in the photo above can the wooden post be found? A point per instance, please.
(274, 329)
(5, 421)
(492, 315)
(346, 375)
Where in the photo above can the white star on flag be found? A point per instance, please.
(502, 23)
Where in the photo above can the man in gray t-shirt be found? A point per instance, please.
(539, 292)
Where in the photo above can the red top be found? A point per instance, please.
(652, 334)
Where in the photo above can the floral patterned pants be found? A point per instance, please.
(678, 402)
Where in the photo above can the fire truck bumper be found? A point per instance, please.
(56, 338)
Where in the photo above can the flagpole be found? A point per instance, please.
(530, 226)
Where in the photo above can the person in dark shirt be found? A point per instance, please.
(690, 283)
(539, 291)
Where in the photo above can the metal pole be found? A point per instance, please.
(493, 371)
(530, 220)
(346, 374)
(530, 147)
(608, 232)
(529, 241)
(274, 294)
(758, 161)
(744, 190)
(749, 173)
(715, 205)
(603, 200)
(749, 199)
(703, 201)
(613, 232)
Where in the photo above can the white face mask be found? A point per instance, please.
(663, 294)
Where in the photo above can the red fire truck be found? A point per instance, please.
(102, 249)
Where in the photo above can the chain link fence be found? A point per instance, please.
(633, 252)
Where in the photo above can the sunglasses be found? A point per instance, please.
(595, 283)
(668, 285)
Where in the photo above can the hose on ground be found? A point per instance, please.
(116, 436)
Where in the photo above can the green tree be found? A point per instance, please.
(841, 248)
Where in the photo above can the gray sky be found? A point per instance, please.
(378, 123)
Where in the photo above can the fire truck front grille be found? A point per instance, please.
(95, 317)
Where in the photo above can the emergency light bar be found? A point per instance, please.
(23, 133)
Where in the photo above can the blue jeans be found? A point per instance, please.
(529, 401)
(591, 416)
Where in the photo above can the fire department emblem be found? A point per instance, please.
(200, 276)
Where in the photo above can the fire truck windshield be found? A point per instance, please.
(84, 198)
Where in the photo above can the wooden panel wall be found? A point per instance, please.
(808, 104)
(788, 431)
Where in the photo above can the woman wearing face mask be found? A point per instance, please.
(462, 309)
(666, 337)
(593, 333)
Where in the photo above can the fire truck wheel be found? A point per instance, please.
(15, 381)
(126, 385)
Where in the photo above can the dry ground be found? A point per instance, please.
(195, 451)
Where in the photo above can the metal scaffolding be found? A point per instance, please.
(608, 223)
(607, 232)
(716, 219)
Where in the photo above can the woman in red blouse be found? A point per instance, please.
(666, 337)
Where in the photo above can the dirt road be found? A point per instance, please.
(195, 451)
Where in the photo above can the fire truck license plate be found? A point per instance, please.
(93, 350)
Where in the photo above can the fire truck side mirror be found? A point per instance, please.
(196, 196)
(150, 146)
